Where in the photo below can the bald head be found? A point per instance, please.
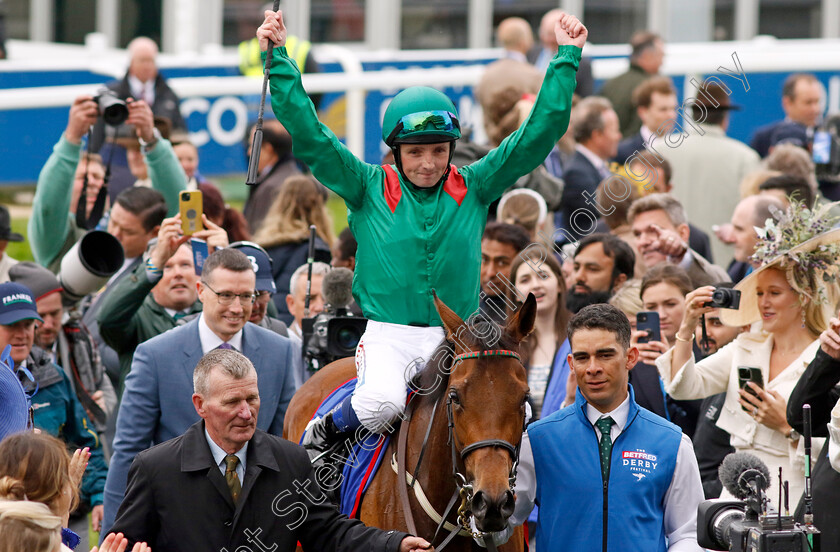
(547, 24)
(514, 34)
(143, 55)
(751, 213)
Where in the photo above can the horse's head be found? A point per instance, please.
(486, 396)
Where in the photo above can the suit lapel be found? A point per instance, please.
(259, 458)
(192, 349)
(196, 457)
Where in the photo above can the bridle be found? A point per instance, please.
(463, 489)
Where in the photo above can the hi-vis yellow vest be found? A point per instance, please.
(250, 62)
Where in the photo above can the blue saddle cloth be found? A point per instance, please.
(363, 459)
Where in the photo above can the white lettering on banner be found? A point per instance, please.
(214, 120)
(215, 111)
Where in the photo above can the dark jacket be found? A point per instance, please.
(129, 315)
(110, 357)
(285, 259)
(580, 176)
(58, 412)
(261, 196)
(818, 387)
(619, 91)
(628, 147)
(760, 141)
(711, 444)
(177, 500)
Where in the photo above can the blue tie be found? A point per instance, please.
(225, 346)
(605, 446)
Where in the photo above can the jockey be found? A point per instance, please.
(418, 223)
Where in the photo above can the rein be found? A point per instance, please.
(463, 489)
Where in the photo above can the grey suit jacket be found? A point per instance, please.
(703, 273)
(157, 402)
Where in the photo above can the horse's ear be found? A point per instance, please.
(451, 321)
(522, 322)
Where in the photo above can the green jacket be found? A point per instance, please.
(129, 315)
(52, 229)
(417, 240)
(58, 412)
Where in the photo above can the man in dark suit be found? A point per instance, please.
(656, 103)
(156, 401)
(226, 485)
(801, 102)
(596, 132)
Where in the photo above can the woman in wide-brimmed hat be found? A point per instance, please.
(787, 301)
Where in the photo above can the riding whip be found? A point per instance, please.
(256, 144)
(310, 258)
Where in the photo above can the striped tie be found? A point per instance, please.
(605, 446)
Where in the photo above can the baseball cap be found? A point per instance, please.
(16, 304)
(261, 263)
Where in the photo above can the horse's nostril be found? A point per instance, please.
(479, 504)
(508, 504)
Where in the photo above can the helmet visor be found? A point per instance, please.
(443, 121)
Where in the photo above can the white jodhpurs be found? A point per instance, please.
(387, 357)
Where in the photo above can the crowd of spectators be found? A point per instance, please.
(619, 214)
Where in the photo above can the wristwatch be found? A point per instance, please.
(793, 435)
(145, 146)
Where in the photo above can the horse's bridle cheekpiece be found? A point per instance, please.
(463, 489)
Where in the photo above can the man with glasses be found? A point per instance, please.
(264, 313)
(159, 293)
(157, 401)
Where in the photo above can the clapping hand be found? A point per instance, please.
(118, 543)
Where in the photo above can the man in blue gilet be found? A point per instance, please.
(610, 475)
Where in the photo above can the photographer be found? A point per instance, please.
(788, 296)
(53, 228)
(157, 293)
(818, 387)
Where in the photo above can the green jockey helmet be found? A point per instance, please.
(420, 115)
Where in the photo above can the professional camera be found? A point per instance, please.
(113, 110)
(826, 150)
(334, 333)
(748, 524)
(89, 264)
(725, 298)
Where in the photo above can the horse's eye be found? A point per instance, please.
(453, 396)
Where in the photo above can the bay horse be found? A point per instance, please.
(467, 416)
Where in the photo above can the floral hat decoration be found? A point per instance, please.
(805, 245)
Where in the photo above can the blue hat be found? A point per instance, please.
(14, 404)
(261, 263)
(16, 304)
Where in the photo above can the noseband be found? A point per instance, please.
(464, 489)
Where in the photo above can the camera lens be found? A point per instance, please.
(348, 337)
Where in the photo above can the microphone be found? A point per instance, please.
(337, 288)
(743, 474)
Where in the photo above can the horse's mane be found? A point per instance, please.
(481, 334)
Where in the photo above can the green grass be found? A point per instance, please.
(19, 250)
